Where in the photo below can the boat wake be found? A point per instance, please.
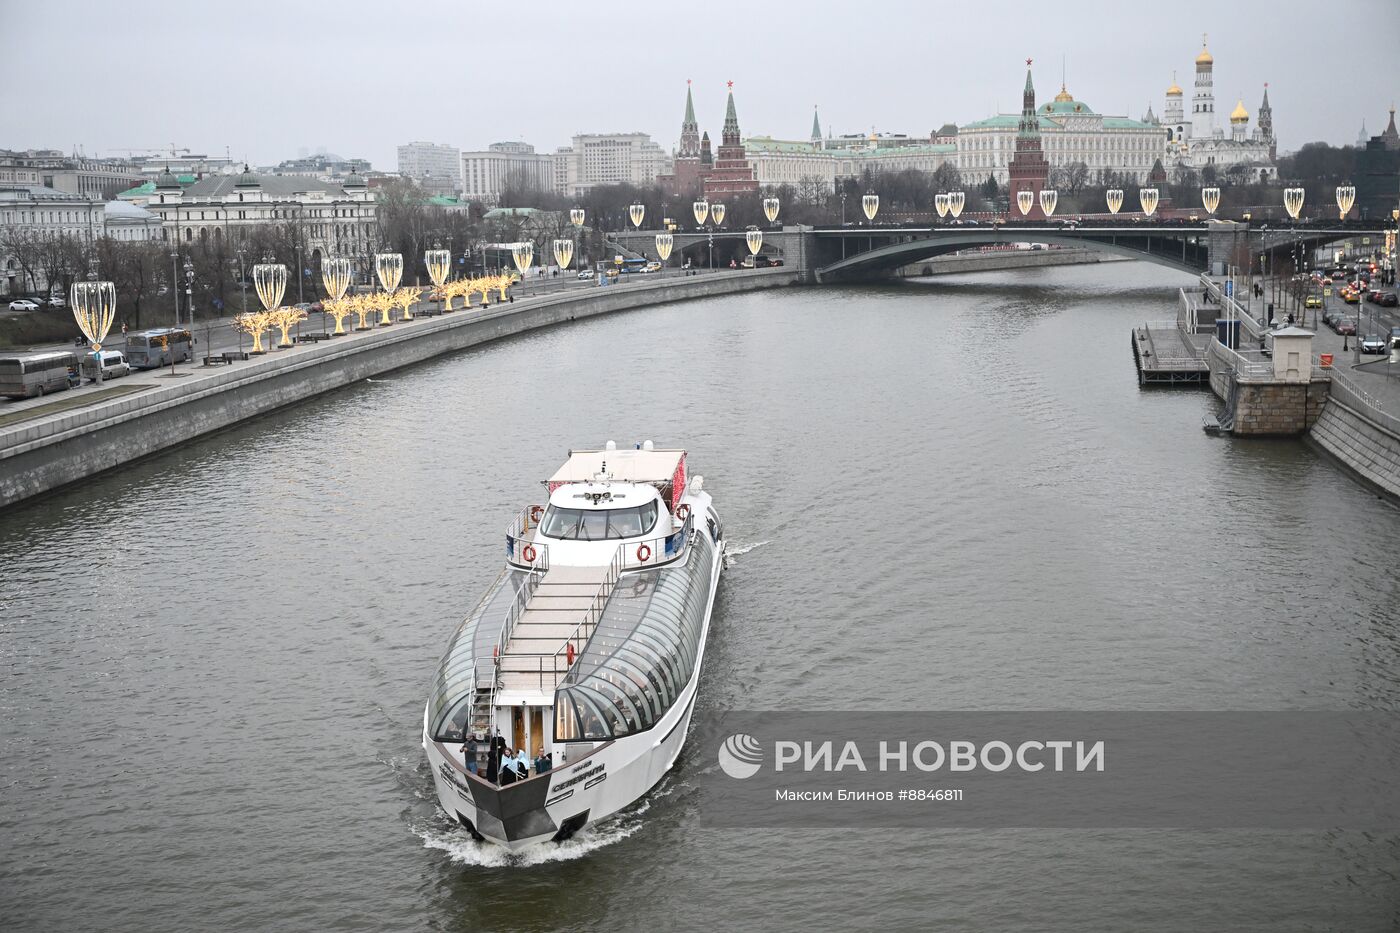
(463, 850)
(732, 551)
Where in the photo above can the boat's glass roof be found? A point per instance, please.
(642, 654)
(450, 703)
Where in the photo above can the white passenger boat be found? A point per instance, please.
(586, 648)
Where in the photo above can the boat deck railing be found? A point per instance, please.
(523, 547)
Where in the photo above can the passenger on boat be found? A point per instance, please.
(493, 761)
(522, 766)
(469, 752)
(543, 763)
(508, 775)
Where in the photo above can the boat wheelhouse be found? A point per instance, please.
(587, 648)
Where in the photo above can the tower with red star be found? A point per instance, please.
(1028, 169)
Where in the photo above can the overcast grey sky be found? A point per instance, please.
(267, 80)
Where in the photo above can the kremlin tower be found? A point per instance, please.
(1027, 170)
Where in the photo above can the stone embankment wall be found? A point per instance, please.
(1362, 439)
(52, 452)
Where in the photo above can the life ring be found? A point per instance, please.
(643, 553)
(536, 512)
(683, 511)
(528, 553)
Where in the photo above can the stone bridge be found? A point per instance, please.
(854, 253)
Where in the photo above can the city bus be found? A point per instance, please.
(29, 374)
(150, 349)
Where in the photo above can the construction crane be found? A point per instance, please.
(172, 149)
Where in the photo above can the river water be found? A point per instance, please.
(949, 494)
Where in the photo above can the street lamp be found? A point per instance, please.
(189, 307)
(175, 282)
(242, 282)
(576, 217)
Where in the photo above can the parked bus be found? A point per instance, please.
(150, 349)
(31, 374)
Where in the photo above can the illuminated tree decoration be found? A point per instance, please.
(255, 324)
(1293, 201)
(270, 281)
(524, 256)
(1025, 200)
(637, 212)
(754, 238)
(335, 275)
(664, 242)
(717, 213)
(506, 280)
(563, 253)
(284, 319)
(362, 306)
(576, 216)
(1114, 196)
(339, 309)
(94, 305)
(770, 209)
(405, 298)
(1147, 197)
(1346, 197)
(943, 205)
(870, 203)
(482, 286)
(382, 302)
(1210, 199)
(701, 210)
(1048, 199)
(956, 200)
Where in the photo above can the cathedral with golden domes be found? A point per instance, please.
(1195, 141)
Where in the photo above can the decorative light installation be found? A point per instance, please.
(335, 275)
(362, 306)
(389, 268)
(255, 324)
(339, 309)
(770, 209)
(956, 200)
(870, 203)
(943, 203)
(405, 299)
(664, 242)
(1346, 197)
(284, 319)
(754, 239)
(1210, 199)
(270, 281)
(1293, 201)
(524, 256)
(1147, 197)
(576, 217)
(1114, 196)
(701, 210)
(637, 212)
(563, 253)
(1025, 200)
(94, 305)
(717, 213)
(1048, 199)
(439, 263)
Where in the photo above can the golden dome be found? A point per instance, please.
(1174, 90)
(1063, 96)
(1239, 114)
(1205, 58)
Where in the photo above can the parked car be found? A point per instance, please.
(1331, 317)
(55, 301)
(23, 304)
(1374, 344)
(304, 306)
(1373, 296)
(317, 306)
(1346, 327)
(1388, 300)
(587, 274)
(105, 364)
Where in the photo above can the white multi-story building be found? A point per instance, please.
(608, 159)
(1071, 132)
(438, 163)
(823, 162)
(485, 174)
(49, 168)
(31, 214)
(339, 217)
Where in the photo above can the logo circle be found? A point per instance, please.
(740, 756)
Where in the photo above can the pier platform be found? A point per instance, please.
(1166, 356)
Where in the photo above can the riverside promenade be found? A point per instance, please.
(48, 443)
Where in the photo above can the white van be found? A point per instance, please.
(105, 364)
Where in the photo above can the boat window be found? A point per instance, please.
(599, 525)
